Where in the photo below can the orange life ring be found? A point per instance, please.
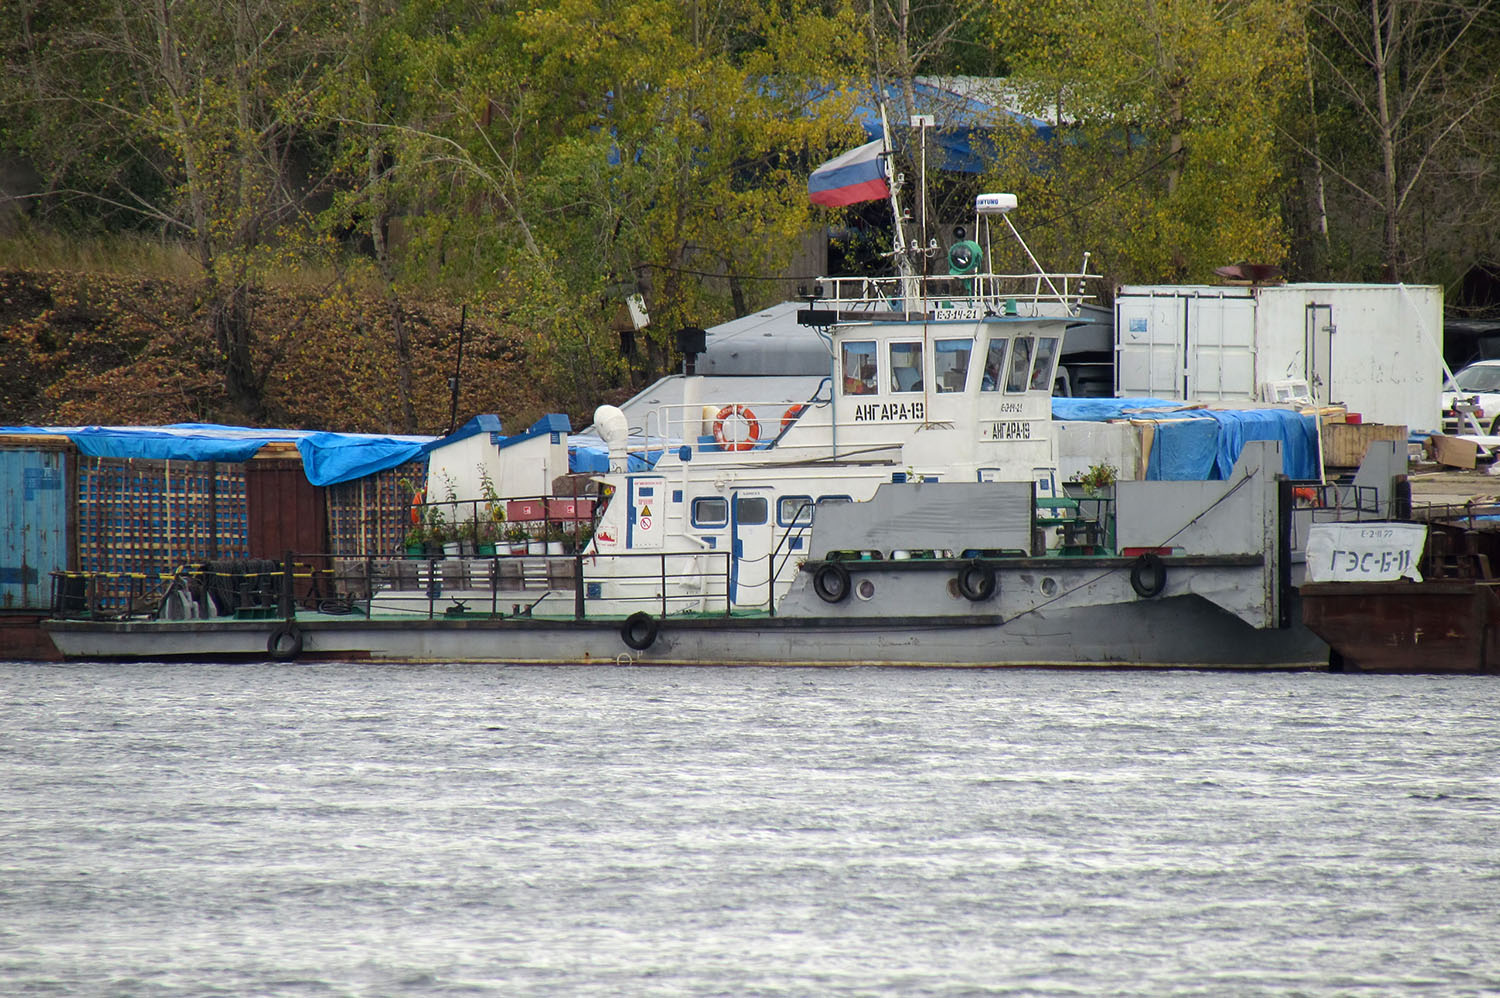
(790, 416)
(418, 500)
(742, 411)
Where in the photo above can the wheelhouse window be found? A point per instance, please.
(858, 360)
(710, 511)
(1019, 374)
(906, 367)
(951, 363)
(1041, 368)
(994, 364)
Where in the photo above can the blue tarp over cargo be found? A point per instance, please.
(1194, 444)
(327, 458)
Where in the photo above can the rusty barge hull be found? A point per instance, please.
(1439, 626)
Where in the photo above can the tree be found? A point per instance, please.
(1410, 88)
(190, 117)
(1163, 163)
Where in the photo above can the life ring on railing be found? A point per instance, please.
(418, 500)
(793, 412)
(285, 642)
(831, 582)
(752, 434)
(976, 582)
(1148, 576)
(639, 630)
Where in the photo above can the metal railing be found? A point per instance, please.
(511, 584)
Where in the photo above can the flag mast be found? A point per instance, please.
(903, 262)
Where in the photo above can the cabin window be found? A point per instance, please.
(859, 367)
(994, 363)
(906, 367)
(951, 360)
(794, 511)
(710, 511)
(1041, 368)
(750, 511)
(1019, 374)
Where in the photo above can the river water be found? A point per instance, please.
(401, 830)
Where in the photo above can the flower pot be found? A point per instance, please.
(536, 547)
(487, 550)
(432, 549)
(452, 549)
(555, 547)
(415, 551)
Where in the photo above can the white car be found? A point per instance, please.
(1479, 386)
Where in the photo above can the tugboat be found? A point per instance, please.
(908, 512)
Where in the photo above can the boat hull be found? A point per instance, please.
(1407, 627)
(1176, 632)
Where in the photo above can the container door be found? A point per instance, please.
(750, 536)
(1320, 330)
(1149, 346)
(34, 535)
(1221, 349)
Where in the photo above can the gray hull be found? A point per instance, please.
(1173, 632)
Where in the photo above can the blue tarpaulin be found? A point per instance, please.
(1194, 444)
(587, 453)
(327, 458)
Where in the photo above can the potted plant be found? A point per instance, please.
(1098, 482)
(416, 541)
(439, 534)
(486, 533)
(555, 537)
(515, 536)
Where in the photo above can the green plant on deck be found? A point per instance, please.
(1098, 478)
(492, 504)
(439, 530)
(516, 534)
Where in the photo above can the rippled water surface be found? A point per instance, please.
(387, 830)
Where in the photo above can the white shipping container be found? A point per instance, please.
(1374, 348)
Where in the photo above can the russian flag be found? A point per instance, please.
(858, 175)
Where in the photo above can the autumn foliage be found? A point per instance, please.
(95, 348)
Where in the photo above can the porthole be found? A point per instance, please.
(1049, 586)
(865, 589)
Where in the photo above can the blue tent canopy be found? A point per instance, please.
(965, 124)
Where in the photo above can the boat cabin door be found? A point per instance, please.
(750, 534)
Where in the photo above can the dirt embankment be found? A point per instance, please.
(90, 348)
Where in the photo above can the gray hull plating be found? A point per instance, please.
(1171, 632)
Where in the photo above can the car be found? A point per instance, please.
(1478, 385)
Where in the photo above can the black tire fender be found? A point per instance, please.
(285, 643)
(831, 582)
(639, 630)
(976, 582)
(1148, 576)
